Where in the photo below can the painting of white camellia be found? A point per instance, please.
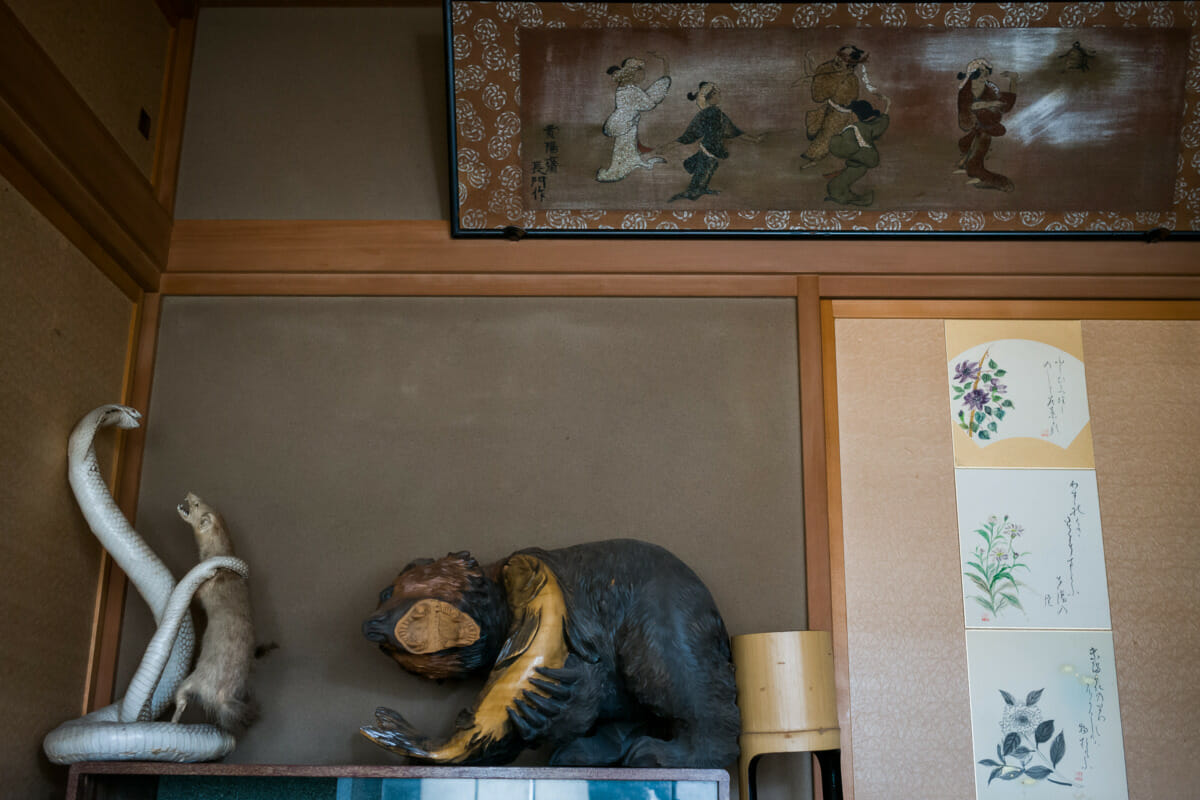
(1045, 719)
(1017, 388)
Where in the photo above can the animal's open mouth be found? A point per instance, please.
(184, 508)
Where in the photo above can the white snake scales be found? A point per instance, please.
(126, 729)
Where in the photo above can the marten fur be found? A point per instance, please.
(219, 684)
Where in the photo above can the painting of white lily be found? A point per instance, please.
(1031, 549)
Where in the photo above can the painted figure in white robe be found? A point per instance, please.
(628, 153)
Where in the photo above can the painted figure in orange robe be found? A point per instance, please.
(981, 106)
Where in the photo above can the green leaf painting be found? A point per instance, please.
(1019, 752)
(994, 563)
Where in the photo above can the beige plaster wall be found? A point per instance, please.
(907, 659)
(316, 113)
(911, 722)
(343, 437)
(114, 53)
(65, 329)
(1142, 379)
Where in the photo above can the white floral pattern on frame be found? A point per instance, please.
(475, 40)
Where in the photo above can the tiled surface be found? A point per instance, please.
(505, 789)
(181, 787)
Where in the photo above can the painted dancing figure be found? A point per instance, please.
(856, 144)
(981, 106)
(631, 100)
(710, 128)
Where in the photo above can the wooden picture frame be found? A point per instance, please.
(823, 119)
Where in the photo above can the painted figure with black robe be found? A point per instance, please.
(710, 128)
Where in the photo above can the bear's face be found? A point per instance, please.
(440, 619)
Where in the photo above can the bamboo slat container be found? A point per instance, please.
(788, 701)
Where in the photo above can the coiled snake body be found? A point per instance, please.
(125, 730)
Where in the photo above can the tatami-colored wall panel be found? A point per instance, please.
(316, 113)
(907, 663)
(65, 328)
(907, 653)
(114, 54)
(1143, 378)
(342, 437)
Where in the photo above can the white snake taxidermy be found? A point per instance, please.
(126, 730)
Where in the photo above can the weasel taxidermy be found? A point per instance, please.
(219, 684)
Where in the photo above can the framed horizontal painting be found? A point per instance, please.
(759, 119)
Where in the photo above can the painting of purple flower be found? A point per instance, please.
(976, 399)
(976, 385)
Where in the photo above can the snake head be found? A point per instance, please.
(119, 416)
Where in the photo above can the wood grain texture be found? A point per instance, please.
(1015, 309)
(110, 601)
(426, 246)
(47, 127)
(45, 201)
(475, 284)
(113, 54)
(812, 442)
(1142, 378)
(990, 287)
(169, 141)
(908, 667)
(771, 698)
(837, 553)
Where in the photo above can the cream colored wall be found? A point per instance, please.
(316, 113)
(343, 437)
(1143, 379)
(65, 328)
(907, 657)
(911, 731)
(114, 53)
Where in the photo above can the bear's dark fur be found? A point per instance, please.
(648, 679)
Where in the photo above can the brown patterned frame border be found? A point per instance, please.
(484, 84)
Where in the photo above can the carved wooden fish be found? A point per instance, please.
(514, 701)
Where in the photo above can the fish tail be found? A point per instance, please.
(395, 733)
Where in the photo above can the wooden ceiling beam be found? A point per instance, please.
(54, 139)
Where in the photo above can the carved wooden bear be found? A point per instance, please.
(613, 652)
